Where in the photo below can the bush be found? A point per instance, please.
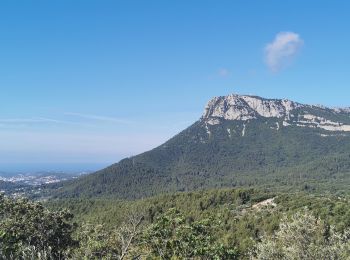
(304, 237)
(27, 226)
(171, 237)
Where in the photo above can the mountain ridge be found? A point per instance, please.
(239, 141)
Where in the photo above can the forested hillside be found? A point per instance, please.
(241, 141)
(288, 159)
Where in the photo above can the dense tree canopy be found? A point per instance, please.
(216, 224)
(171, 236)
(304, 237)
(26, 225)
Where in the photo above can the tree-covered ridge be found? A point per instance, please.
(215, 156)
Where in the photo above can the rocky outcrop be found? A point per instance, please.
(244, 108)
(237, 107)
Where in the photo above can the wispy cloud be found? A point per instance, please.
(100, 118)
(282, 50)
(223, 72)
(19, 123)
(29, 120)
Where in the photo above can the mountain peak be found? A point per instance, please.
(287, 112)
(245, 107)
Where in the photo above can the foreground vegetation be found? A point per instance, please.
(216, 224)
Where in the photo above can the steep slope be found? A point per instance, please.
(239, 141)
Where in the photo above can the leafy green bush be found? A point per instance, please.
(26, 226)
(304, 237)
(172, 237)
(99, 242)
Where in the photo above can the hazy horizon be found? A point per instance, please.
(19, 168)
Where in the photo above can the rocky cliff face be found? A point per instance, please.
(236, 107)
(288, 113)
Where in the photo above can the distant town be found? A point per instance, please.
(23, 184)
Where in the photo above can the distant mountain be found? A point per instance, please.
(239, 141)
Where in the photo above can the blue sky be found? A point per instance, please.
(95, 81)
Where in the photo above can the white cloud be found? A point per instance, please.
(223, 72)
(282, 50)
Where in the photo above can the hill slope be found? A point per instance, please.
(245, 215)
(239, 141)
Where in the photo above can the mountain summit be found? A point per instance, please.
(245, 108)
(240, 107)
(239, 141)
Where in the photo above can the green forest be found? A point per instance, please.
(211, 224)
